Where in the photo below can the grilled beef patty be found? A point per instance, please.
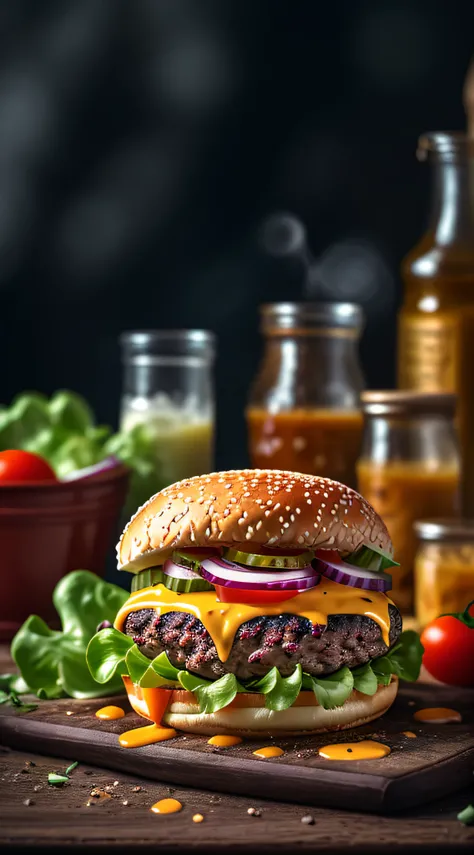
(283, 640)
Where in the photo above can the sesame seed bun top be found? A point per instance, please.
(247, 508)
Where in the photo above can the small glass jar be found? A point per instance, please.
(444, 567)
(168, 387)
(303, 411)
(409, 469)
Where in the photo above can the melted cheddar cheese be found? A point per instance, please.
(222, 620)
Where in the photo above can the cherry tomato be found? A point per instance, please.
(449, 648)
(24, 466)
(252, 598)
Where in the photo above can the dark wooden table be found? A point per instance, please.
(35, 816)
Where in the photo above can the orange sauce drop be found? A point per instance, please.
(224, 741)
(409, 733)
(167, 806)
(367, 749)
(145, 736)
(110, 713)
(438, 715)
(269, 751)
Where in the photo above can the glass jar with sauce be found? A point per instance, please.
(436, 322)
(444, 567)
(409, 469)
(168, 387)
(303, 412)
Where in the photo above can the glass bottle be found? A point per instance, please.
(303, 409)
(168, 387)
(444, 567)
(409, 469)
(436, 322)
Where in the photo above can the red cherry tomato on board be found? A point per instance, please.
(25, 467)
(449, 648)
(252, 598)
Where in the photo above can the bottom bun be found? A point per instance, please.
(248, 716)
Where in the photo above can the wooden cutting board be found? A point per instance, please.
(437, 762)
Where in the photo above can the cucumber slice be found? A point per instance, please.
(271, 562)
(147, 578)
(372, 558)
(155, 576)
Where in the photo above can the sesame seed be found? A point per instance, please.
(246, 495)
(227, 486)
(188, 500)
(267, 513)
(308, 501)
(333, 512)
(245, 515)
(269, 502)
(306, 495)
(298, 510)
(287, 508)
(326, 495)
(277, 506)
(226, 512)
(233, 500)
(292, 517)
(180, 495)
(259, 525)
(241, 521)
(208, 532)
(286, 525)
(280, 519)
(300, 539)
(323, 505)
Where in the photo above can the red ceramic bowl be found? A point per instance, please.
(47, 530)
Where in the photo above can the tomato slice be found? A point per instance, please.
(252, 598)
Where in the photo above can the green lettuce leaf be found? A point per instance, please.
(365, 679)
(211, 696)
(406, 656)
(106, 652)
(281, 692)
(53, 662)
(333, 690)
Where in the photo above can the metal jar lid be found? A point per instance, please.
(445, 530)
(402, 402)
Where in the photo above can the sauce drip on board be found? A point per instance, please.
(367, 749)
(222, 620)
(224, 741)
(145, 736)
(438, 715)
(269, 751)
(110, 713)
(167, 806)
(409, 733)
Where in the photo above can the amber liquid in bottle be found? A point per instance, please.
(315, 441)
(436, 322)
(402, 492)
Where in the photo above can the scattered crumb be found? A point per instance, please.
(37, 788)
(254, 811)
(136, 789)
(307, 820)
(214, 800)
(69, 712)
(116, 783)
(125, 802)
(29, 763)
(28, 802)
(198, 817)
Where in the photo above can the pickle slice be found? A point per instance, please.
(156, 576)
(271, 562)
(192, 560)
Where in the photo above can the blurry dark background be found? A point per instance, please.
(142, 143)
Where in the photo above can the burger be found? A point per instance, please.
(259, 606)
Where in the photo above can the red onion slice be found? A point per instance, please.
(91, 471)
(333, 567)
(217, 571)
(177, 571)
